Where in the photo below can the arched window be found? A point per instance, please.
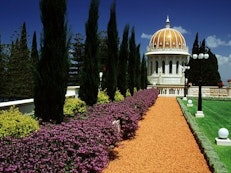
(170, 67)
(177, 67)
(163, 67)
(151, 70)
(156, 67)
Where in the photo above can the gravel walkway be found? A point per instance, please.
(163, 144)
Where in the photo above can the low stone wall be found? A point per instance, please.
(26, 106)
(207, 91)
(210, 91)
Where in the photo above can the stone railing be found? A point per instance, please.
(210, 91)
(150, 50)
(27, 106)
(207, 91)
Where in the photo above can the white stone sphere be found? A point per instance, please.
(189, 101)
(223, 133)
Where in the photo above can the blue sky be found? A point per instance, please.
(211, 19)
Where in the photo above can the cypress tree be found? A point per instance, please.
(26, 88)
(143, 78)
(103, 56)
(212, 75)
(51, 81)
(112, 61)
(18, 70)
(195, 45)
(203, 69)
(137, 68)
(193, 73)
(34, 51)
(13, 73)
(4, 61)
(10, 75)
(131, 62)
(2, 73)
(90, 73)
(76, 60)
(122, 82)
(34, 58)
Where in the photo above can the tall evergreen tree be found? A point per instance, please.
(34, 51)
(211, 75)
(34, 59)
(90, 73)
(2, 71)
(143, 78)
(76, 60)
(26, 74)
(131, 61)
(18, 70)
(103, 56)
(51, 82)
(11, 74)
(137, 68)
(4, 61)
(122, 81)
(204, 70)
(195, 45)
(112, 61)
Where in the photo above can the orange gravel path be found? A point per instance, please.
(163, 144)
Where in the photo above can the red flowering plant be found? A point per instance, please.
(220, 84)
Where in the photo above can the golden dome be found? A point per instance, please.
(167, 41)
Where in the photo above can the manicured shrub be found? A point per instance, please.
(73, 106)
(14, 123)
(102, 97)
(118, 96)
(128, 93)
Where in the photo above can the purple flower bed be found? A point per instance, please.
(81, 146)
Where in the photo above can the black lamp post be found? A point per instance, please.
(200, 57)
(100, 78)
(185, 81)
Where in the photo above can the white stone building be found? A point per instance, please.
(167, 55)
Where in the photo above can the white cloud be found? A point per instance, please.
(224, 63)
(222, 60)
(180, 29)
(146, 36)
(213, 42)
(229, 43)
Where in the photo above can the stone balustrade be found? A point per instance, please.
(207, 91)
(26, 106)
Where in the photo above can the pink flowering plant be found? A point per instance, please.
(79, 145)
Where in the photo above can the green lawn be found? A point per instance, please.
(217, 115)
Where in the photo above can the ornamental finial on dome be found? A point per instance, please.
(167, 22)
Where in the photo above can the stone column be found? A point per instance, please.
(229, 89)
